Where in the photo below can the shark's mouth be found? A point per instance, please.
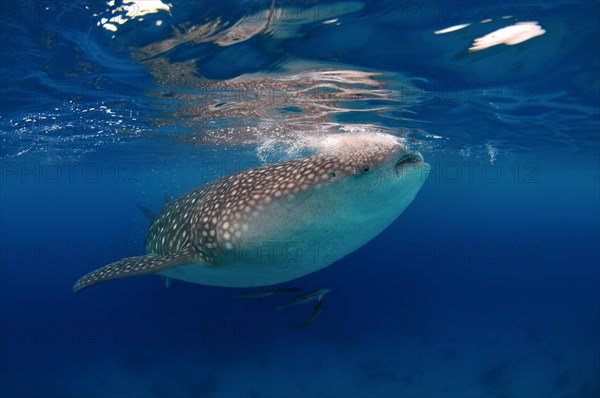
(407, 161)
(409, 158)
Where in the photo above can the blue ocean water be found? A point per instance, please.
(488, 285)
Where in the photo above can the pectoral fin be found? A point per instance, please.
(133, 266)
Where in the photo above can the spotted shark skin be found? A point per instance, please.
(331, 197)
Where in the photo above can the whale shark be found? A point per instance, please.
(281, 221)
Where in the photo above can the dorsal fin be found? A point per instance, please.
(150, 215)
(166, 198)
(133, 266)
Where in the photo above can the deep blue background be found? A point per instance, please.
(488, 285)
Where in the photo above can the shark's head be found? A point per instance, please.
(340, 198)
(375, 175)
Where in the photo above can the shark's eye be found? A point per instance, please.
(366, 169)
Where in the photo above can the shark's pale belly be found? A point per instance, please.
(266, 263)
(277, 260)
(242, 274)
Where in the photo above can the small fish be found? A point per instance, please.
(266, 293)
(316, 295)
(313, 317)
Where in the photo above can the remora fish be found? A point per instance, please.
(316, 295)
(266, 293)
(313, 317)
(319, 208)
